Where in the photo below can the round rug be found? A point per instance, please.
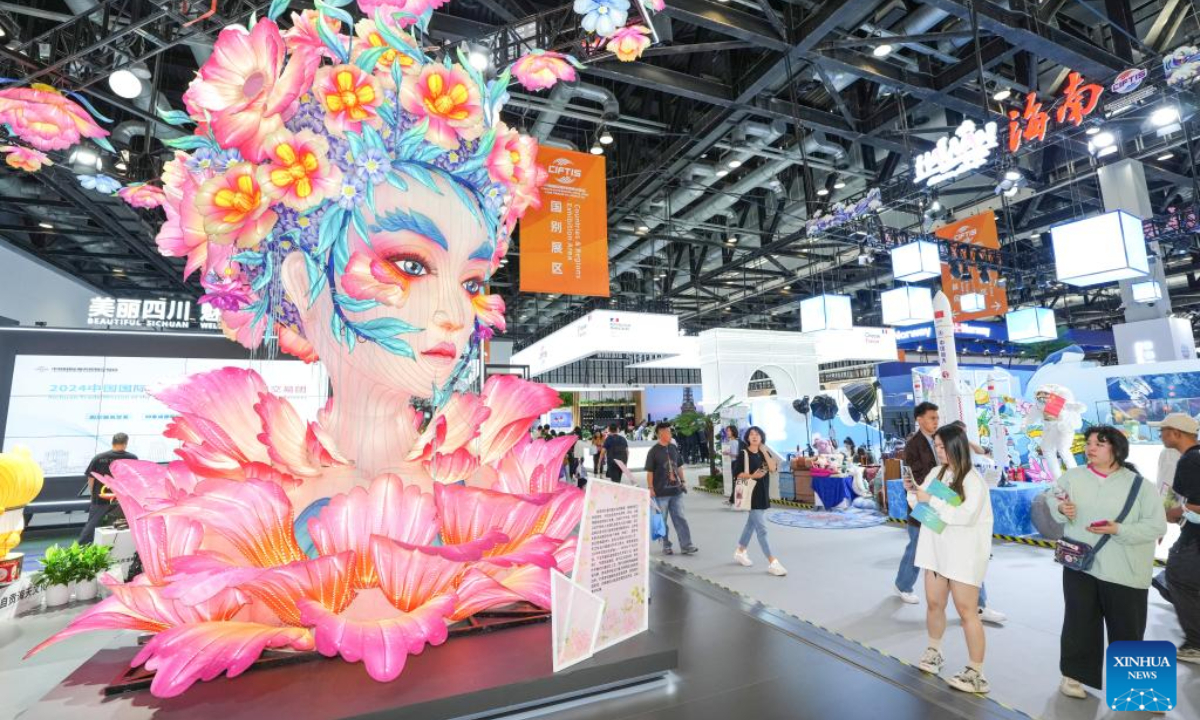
(827, 519)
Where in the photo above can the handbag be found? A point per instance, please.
(1078, 555)
(743, 489)
(658, 524)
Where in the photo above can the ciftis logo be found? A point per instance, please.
(1141, 676)
(564, 171)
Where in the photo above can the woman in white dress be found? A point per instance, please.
(955, 560)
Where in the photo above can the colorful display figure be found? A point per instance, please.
(20, 482)
(345, 199)
(1055, 409)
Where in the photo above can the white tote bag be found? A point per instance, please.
(743, 489)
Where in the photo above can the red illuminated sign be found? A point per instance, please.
(1079, 100)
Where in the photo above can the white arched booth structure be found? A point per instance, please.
(729, 358)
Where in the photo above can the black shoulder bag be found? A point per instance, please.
(1077, 555)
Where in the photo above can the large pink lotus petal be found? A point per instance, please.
(253, 516)
(160, 540)
(533, 466)
(321, 446)
(382, 645)
(204, 575)
(410, 576)
(564, 556)
(325, 580)
(564, 513)
(477, 592)
(514, 404)
(530, 582)
(388, 509)
(455, 425)
(181, 656)
(534, 550)
(284, 434)
(454, 467)
(149, 484)
(469, 513)
(226, 398)
(135, 606)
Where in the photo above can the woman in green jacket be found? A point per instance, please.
(1112, 594)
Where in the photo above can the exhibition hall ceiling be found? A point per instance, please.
(747, 120)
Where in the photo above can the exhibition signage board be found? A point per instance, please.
(977, 231)
(157, 313)
(564, 243)
(966, 330)
(606, 331)
(66, 409)
(612, 561)
(1078, 101)
(575, 617)
(968, 149)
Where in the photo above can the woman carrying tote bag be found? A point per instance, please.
(753, 464)
(1113, 519)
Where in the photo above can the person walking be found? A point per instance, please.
(729, 447)
(920, 458)
(97, 469)
(597, 452)
(579, 467)
(1179, 433)
(1109, 506)
(955, 560)
(756, 462)
(616, 452)
(664, 476)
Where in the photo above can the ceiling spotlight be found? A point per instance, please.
(45, 225)
(1165, 156)
(935, 206)
(84, 156)
(734, 163)
(1011, 192)
(479, 56)
(732, 240)
(722, 172)
(839, 184)
(1106, 151)
(125, 84)
(606, 137)
(1104, 139)
(1092, 130)
(1013, 175)
(121, 165)
(823, 192)
(882, 50)
(642, 228)
(597, 149)
(1164, 116)
(1002, 94)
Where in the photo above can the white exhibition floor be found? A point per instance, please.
(842, 581)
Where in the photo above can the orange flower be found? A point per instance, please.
(350, 97)
(300, 173)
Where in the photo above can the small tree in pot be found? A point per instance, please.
(58, 572)
(93, 560)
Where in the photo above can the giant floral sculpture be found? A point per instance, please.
(345, 198)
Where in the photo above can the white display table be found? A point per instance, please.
(123, 549)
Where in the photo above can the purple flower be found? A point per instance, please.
(372, 165)
(352, 193)
(225, 293)
(100, 183)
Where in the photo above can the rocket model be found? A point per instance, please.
(954, 403)
(999, 430)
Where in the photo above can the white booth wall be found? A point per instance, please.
(32, 292)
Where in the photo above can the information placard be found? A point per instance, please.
(613, 560)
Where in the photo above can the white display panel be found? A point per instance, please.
(826, 312)
(1100, 249)
(916, 261)
(66, 409)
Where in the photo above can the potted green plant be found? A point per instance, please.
(58, 571)
(93, 560)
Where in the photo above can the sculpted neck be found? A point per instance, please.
(371, 423)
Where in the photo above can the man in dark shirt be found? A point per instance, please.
(1183, 563)
(920, 458)
(616, 448)
(98, 469)
(664, 476)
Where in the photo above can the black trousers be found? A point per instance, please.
(96, 514)
(1093, 606)
(596, 464)
(1183, 580)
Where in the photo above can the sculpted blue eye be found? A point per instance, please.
(473, 287)
(412, 267)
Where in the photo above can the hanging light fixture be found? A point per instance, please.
(826, 312)
(907, 305)
(972, 302)
(1031, 325)
(916, 261)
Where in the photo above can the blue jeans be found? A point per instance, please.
(906, 576)
(756, 523)
(672, 508)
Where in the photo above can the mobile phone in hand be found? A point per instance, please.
(1099, 523)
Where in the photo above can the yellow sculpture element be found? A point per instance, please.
(20, 482)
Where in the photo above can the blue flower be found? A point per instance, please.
(372, 165)
(603, 17)
(352, 193)
(100, 183)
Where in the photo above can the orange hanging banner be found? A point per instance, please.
(978, 230)
(564, 244)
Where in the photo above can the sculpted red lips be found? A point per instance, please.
(442, 352)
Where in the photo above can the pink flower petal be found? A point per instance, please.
(285, 436)
(459, 422)
(226, 398)
(388, 509)
(325, 580)
(181, 656)
(255, 517)
(514, 404)
(411, 576)
(469, 513)
(533, 465)
(382, 645)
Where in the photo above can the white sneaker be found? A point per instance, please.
(931, 661)
(776, 569)
(1072, 688)
(908, 597)
(742, 558)
(989, 615)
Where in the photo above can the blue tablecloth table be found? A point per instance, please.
(1010, 506)
(834, 490)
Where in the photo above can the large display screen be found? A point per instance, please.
(66, 409)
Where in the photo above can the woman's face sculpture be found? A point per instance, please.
(425, 264)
